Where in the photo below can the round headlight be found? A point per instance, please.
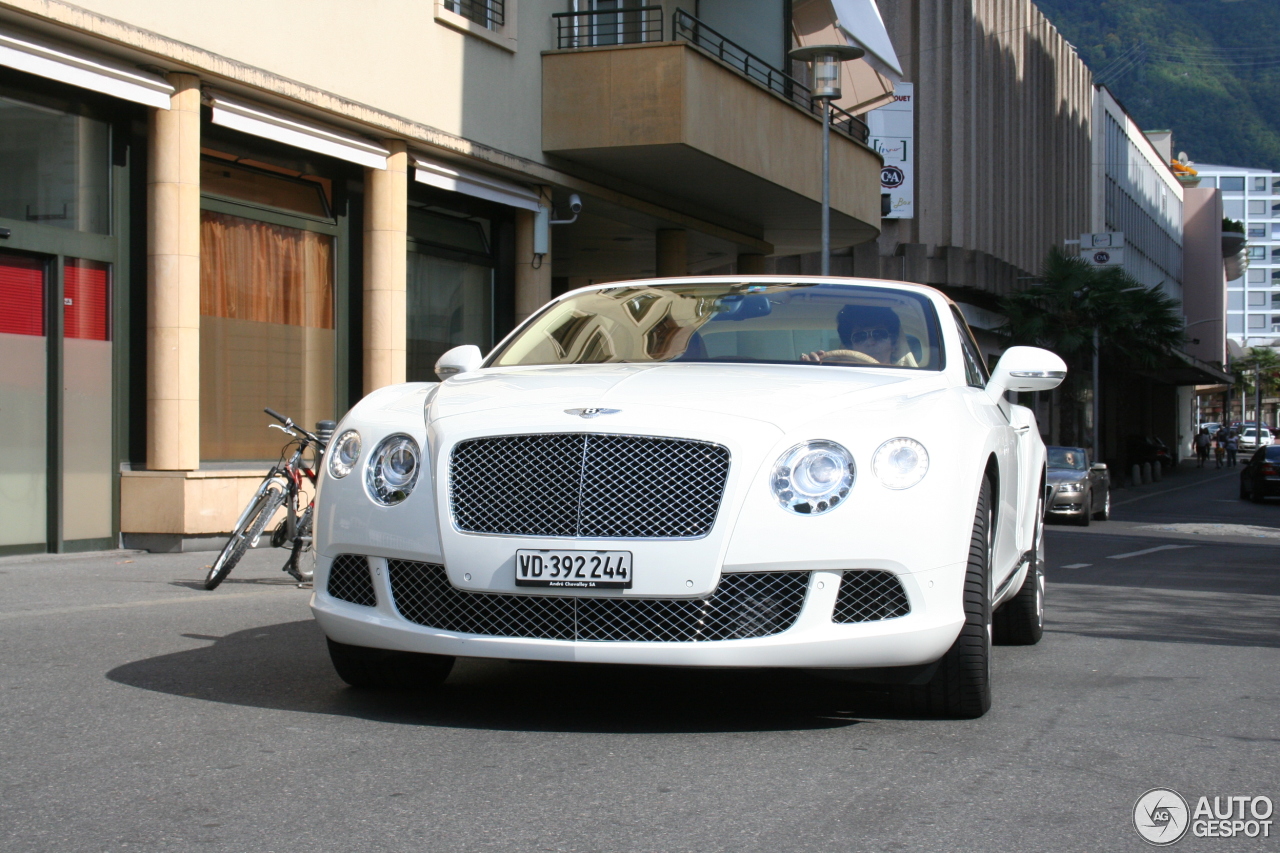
(900, 463)
(813, 478)
(393, 469)
(343, 453)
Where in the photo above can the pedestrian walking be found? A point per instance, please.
(1202, 442)
(1233, 446)
(1219, 449)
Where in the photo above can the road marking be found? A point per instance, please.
(1078, 566)
(89, 608)
(1143, 497)
(1149, 551)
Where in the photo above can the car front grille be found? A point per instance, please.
(587, 485)
(743, 605)
(868, 596)
(349, 580)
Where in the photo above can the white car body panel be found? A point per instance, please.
(758, 411)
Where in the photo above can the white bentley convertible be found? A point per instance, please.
(721, 472)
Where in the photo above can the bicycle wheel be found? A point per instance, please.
(245, 535)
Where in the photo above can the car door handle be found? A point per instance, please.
(1022, 429)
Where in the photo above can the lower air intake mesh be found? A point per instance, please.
(743, 605)
(349, 580)
(867, 596)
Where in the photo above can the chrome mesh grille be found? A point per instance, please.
(743, 606)
(868, 596)
(588, 485)
(349, 580)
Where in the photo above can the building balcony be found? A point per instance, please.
(693, 116)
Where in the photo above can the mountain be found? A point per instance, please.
(1209, 70)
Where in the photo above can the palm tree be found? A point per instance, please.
(1136, 325)
(1258, 363)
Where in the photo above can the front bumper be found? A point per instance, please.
(813, 640)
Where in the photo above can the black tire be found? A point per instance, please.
(1255, 495)
(1020, 620)
(384, 669)
(961, 685)
(1104, 514)
(245, 535)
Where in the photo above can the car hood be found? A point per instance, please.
(781, 395)
(1067, 475)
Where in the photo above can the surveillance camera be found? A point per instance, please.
(575, 204)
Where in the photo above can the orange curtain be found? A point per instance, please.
(252, 270)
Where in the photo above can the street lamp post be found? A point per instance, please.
(824, 61)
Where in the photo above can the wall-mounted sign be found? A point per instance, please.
(1105, 249)
(891, 136)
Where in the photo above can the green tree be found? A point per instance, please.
(1136, 325)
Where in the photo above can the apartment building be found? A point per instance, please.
(208, 208)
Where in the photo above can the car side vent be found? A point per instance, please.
(869, 596)
(349, 580)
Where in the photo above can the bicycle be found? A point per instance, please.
(281, 487)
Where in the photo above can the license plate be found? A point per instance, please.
(574, 569)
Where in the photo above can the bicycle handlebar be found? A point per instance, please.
(289, 424)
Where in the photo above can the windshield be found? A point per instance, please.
(743, 322)
(1066, 457)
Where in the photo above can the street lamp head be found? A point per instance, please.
(825, 61)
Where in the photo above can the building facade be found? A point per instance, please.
(203, 212)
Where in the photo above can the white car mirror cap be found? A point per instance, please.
(463, 359)
(1099, 466)
(1026, 369)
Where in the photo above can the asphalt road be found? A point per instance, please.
(141, 713)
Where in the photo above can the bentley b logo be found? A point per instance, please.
(590, 412)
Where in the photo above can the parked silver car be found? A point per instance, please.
(1080, 491)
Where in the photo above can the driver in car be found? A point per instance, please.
(870, 335)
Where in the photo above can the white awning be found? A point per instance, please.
(269, 124)
(861, 21)
(456, 179)
(68, 65)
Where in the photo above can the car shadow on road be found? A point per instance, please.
(1163, 615)
(286, 667)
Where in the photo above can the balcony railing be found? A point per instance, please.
(604, 27)
(642, 24)
(486, 13)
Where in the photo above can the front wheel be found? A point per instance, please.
(245, 535)
(384, 669)
(1020, 620)
(961, 685)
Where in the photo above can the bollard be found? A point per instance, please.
(1157, 471)
(1135, 478)
(1146, 473)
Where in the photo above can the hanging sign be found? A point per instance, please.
(1105, 249)
(891, 137)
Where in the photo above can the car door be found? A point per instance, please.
(1011, 428)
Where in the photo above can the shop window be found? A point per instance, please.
(266, 332)
(450, 281)
(1231, 183)
(55, 168)
(224, 179)
(86, 303)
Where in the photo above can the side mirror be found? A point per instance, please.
(1099, 466)
(463, 359)
(1026, 369)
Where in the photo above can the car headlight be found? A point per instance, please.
(343, 453)
(1071, 488)
(900, 463)
(812, 478)
(392, 470)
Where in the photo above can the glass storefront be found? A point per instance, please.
(22, 388)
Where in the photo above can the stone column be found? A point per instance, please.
(386, 221)
(751, 264)
(533, 274)
(173, 281)
(673, 252)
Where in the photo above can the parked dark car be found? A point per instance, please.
(1260, 476)
(1080, 491)
(1148, 448)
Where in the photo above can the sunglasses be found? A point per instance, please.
(877, 335)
